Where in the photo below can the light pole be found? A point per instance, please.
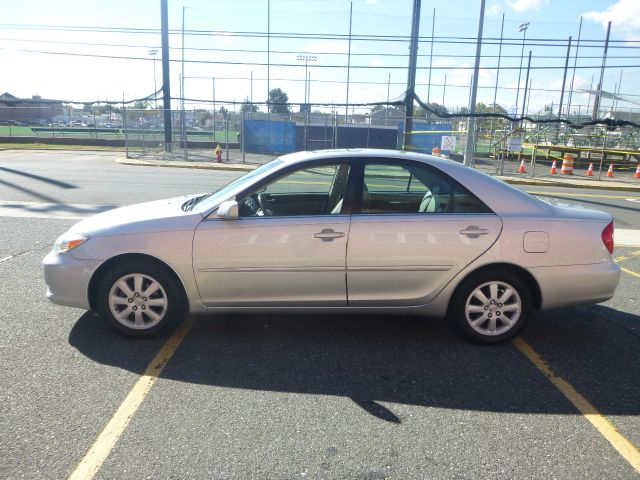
(522, 28)
(153, 52)
(306, 59)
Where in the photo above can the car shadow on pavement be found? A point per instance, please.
(395, 359)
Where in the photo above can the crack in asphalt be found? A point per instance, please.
(11, 257)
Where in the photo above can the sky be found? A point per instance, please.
(97, 50)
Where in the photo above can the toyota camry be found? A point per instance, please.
(366, 231)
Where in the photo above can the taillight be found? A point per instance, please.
(607, 237)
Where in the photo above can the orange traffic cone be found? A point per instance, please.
(637, 175)
(590, 170)
(553, 170)
(610, 171)
(522, 168)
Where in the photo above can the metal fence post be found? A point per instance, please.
(604, 146)
(144, 142)
(306, 130)
(226, 135)
(126, 132)
(95, 125)
(242, 119)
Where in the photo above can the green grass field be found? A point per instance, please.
(116, 133)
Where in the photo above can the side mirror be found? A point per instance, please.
(228, 210)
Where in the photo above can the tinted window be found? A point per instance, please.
(414, 188)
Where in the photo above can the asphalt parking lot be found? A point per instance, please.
(266, 396)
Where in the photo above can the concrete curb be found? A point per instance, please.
(196, 165)
(575, 183)
(618, 186)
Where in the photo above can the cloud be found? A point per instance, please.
(376, 62)
(225, 38)
(495, 9)
(328, 47)
(623, 15)
(524, 5)
(444, 62)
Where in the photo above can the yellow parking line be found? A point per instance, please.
(627, 257)
(630, 272)
(592, 195)
(628, 450)
(102, 447)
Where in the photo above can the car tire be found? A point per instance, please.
(491, 307)
(140, 299)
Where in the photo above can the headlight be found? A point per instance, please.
(69, 241)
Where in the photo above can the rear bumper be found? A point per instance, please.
(67, 279)
(564, 286)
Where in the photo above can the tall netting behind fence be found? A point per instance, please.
(502, 146)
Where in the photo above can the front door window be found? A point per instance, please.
(315, 190)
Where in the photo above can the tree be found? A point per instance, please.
(486, 125)
(390, 108)
(247, 106)
(278, 101)
(141, 105)
(434, 107)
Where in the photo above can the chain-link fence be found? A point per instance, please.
(501, 146)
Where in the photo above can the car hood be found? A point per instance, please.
(156, 216)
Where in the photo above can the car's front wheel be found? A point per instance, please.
(491, 307)
(139, 299)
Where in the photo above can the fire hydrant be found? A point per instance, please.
(218, 154)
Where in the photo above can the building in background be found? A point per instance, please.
(32, 110)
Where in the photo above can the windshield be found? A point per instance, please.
(209, 200)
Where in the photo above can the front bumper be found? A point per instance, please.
(67, 279)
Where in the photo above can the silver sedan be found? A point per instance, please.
(369, 231)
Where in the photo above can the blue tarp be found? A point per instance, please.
(262, 136)
(426, 142)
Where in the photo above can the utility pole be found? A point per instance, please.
(596, 104)
(526, 84)
(433, 28)
(469, 151)
(522, 28)
(411, 79)
(166, 91)
(573, 76)
(153, 52)
(183, 133)
(268, 54)
(386, 110)
(564, 79)
(495, 90)
(346, 112)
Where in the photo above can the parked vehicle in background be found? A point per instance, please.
(367, 231)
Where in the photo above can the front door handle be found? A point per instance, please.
(473, 231)
(328, 235)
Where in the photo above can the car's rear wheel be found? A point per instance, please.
(139, 299)
(491, 307)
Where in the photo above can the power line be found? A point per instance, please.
(295, 52)
(294, 35)
(295, 65)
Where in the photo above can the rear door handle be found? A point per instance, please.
(473, 231)
(328, 235)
